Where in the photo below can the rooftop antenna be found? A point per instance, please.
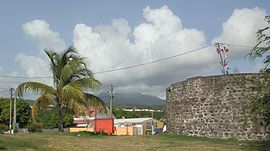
(222, 51)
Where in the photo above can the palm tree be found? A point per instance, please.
(70, 78)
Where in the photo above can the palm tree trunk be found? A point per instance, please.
(60, 118)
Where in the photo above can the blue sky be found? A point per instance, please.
(204, 18)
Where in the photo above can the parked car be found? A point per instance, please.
(158, 131)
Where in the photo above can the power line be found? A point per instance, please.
(123, 68)
(233, 45)
(132, 66)
(244, 46)
(155, 61)
(3, 88)
(22, 77)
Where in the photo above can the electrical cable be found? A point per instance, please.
(133, 66)
(123, 68)
(155, 61)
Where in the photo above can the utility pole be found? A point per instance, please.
(14, 114)
(111, 99)
(10, 110)
(95, 121)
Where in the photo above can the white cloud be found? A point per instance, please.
(7, 83)
(161, 35)
(33, 66)
(38, 66)
(241, 28)
(40, 31)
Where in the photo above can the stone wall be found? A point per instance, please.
(212, 106)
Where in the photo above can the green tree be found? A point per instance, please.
(70, 78)
(261, 49)
(49, 117)
(68, 120)
(23, 112)
(4, 111)
(260, 102)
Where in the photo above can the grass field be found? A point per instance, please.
(85, 142)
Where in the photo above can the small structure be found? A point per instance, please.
(93, 122)
(136, 126)
(83, 121)
(102, 123)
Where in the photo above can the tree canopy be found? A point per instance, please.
(23, 112)
(261, 49)
(71, 78)
(260, 103)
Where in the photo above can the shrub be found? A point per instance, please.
(35, 127)
(23, 112)
(68, 120)
(3, 128)
(48, 118)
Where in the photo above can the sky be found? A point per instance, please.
(119, 33)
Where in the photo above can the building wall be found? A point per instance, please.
(105, 125)
(147, 129)
(212, 106)
(124, 131)
(81, 129)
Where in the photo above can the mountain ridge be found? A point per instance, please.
(132, 99)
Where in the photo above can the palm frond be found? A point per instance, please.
(35, 109)
(68, 53)
(86, 83)
(51, 54)
(69, 70)
(81, 108)
(42, 102)
(94, 101)
(34, 86)
(70, 77)
(55, 66)
(77, 106)
(71, 93)
(81, 73)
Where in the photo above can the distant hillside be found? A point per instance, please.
(30, 102)
(132, 99)
(136, 99)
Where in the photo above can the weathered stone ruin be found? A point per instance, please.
(213, 106)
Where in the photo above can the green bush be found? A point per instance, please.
(49, 118)
(3, 128)
(23, 112)
(35, 127)
(68, 120)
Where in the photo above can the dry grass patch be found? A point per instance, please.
(82, 141)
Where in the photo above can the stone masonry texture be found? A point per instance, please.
(212, 106)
